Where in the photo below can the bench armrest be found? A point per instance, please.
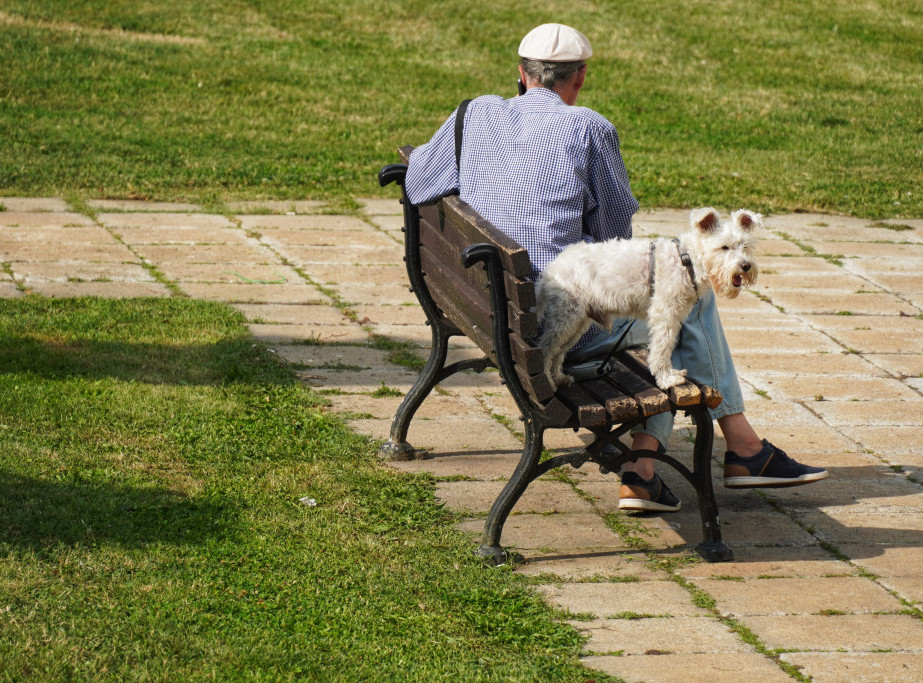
(392, 173)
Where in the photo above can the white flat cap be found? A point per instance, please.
(555, 43)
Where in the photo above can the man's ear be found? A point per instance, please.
(580, 77)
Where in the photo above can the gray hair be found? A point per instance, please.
(549, 74)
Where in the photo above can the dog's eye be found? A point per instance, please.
(725, 247)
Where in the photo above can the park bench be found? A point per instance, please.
(471, 279)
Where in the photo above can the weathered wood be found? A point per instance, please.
(620, 407)
(590, 412)
(443, 252)
(539, 387)
(521, 292)
(691, 393)
(649, 398)
(530, 357)
(463, 218)
(555, 412)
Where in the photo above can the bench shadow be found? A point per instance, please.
(37, 514)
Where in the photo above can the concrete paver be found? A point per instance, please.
(826, 578)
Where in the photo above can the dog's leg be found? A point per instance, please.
(565, 322)
(663, 322)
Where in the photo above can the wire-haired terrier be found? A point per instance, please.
(658, 281)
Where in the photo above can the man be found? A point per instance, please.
(549, 174)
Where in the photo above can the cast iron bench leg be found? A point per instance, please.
(526, 470)
(712, 548)
(397, 448)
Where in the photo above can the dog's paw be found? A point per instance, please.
(561, 380)
(672, 378)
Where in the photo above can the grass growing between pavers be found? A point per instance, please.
(151, 524)
(775, 106)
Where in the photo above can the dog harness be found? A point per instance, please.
(683, 256)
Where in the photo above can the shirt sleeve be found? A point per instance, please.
(608, 184)
(431, 169)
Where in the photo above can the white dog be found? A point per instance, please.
(659, 281)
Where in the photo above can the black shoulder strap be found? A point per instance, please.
(459, 129)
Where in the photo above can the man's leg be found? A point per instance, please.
(749, 461)
(703, 351)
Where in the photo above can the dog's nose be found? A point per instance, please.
(745, 267)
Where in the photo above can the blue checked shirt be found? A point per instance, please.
(545, 173)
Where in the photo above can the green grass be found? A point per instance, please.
(153, 460)
(775, 106)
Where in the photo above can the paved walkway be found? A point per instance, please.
(828, 579)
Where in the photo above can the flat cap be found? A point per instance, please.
(555, 43)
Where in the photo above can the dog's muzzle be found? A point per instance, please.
(738, 279)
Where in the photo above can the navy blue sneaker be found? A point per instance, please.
(770, 467)
(647, 496)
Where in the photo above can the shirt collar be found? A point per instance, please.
(542, 92)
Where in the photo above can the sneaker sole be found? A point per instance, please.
(646, 505)
(772, 482)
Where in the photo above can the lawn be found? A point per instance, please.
(151, 528)
(776, 106)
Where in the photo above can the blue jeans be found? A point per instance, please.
(701, 349)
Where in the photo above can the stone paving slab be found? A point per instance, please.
(57, 271)
(848, 594)
(61, 219)
(171, 219)
(181, 234)
(676, 635)
(848, 632)
(546, 497)
(608, 600)
(229, 273)
(142, 206)
(872, 667)
(254, 292)
(34, 204)
(669, 668)
(820, 572)
(323, 223)
(105, 290)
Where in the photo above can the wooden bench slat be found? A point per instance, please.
(520, 291)
(461, 296)
(650, 399)
(439, 252)
(692, 393)
(556, 412)
(619, 406)
(466, 220)
(530, 357)
(539, 387)
(481, 336)
(590, 412)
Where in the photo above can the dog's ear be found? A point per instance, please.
(747, 220)
(705, 220)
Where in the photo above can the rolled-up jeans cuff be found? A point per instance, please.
(658, 426)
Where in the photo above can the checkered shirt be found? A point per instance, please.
(545, 173)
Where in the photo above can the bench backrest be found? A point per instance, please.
(447, 228)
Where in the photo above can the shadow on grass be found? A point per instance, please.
(154, 341)
(219, 362)
(38, 515)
